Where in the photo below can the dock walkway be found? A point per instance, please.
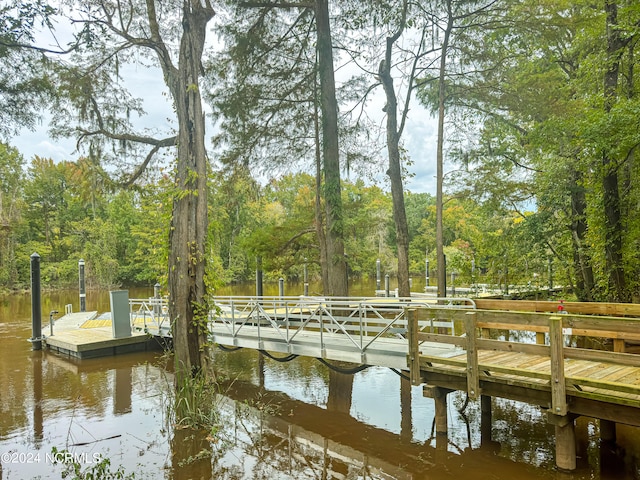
(568, 364)
(90, 335)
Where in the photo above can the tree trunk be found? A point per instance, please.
(395, 173)
(336, 264)
(442, 274)
(611, 195)
(581, 257)
(188, 305)
(319, 224)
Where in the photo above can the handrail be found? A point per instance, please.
(154, 313)
(560, 383)
(360, 321)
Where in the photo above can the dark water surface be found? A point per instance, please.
(296, 420)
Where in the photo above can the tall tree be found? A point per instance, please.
(567, 124)
(395, 127)
(281, 71)
(11, 185)
(613, 225)
(337, 273)
(22, 96)
(171, 36)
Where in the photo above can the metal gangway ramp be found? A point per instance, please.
(369, 330)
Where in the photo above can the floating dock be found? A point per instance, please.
(89, 335)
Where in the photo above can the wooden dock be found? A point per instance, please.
(543, 359)
(569, 365)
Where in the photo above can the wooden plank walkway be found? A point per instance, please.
(554, 372)
(593, 380)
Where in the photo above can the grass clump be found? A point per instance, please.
(195, 404)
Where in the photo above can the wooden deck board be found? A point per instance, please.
(530, 371)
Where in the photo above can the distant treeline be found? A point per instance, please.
(69, 211)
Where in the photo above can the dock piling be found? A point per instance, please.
(439, 395)
(566, 445)
(259, 290)
(83, 294)
(486, 419)
(36, 304)
(157, 304)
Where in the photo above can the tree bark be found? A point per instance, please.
(319, 224)
(336, 264)
(611, 195)
(188, 305)
(442, 274)
(395, 170)
(581, 258)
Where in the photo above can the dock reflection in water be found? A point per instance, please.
(278, 420)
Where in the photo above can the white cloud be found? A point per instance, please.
(38, 142)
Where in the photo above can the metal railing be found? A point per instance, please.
(150, 315)
(360, 321)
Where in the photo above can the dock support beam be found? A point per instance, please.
(406, 420)
(486, 419)
(565, 426)
(566, 446)
(439, 396)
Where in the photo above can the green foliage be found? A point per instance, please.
(22, 96)
(194, 404)
(99, 470)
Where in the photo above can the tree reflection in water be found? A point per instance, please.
(294, 420)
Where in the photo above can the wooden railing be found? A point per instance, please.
(573, 308)
(549, 341)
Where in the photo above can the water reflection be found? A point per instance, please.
(278, 420)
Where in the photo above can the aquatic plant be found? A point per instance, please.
(98, 469)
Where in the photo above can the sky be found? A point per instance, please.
(419, 138)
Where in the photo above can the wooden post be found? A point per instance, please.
(540, 338)
(619, 345)
(558, 388)
(440, 398)
(484, 332)
(566, 446)
(414, 351)
(486, 419)
(406, 420)
(473, 380)
(439, 395)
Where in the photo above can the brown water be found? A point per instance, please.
(295, 420)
